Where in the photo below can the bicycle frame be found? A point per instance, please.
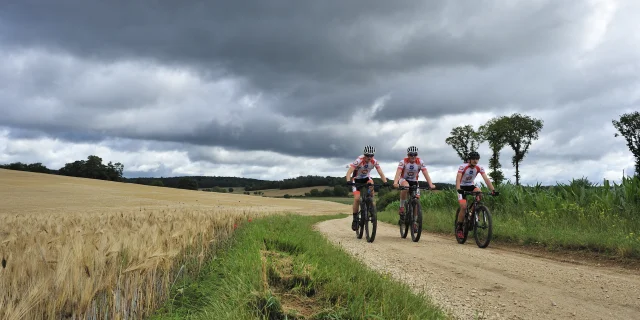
(472, 205)
(413, 220)
(471, 219)
(367, 212)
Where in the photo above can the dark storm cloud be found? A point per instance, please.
(294, 49)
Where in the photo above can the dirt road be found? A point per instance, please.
(493, 283)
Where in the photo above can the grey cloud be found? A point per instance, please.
(363, 50)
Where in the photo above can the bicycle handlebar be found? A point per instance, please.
(366, 184)
(415, 187)
(470, 193)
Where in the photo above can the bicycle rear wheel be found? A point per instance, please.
(416, 227)
(404, 225)
(482, 227)
(371, 221)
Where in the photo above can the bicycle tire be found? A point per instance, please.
(371, 218)
(415, 235)
(361, 216)
(404, 226)
(487, 215)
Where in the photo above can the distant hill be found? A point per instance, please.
(249, 184)
(95, 169)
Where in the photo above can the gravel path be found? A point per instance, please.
(493, 283)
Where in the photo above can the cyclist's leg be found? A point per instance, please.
(356, 202)
(476, 189)
(462, 201)
(413, 183)
(371, 188)
(463, 207)
(356, 205)
(403, 195)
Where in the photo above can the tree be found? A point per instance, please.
(37, 167)
(188, 183)
(327, 192)
(314, 192)
(629, 127)
(464, 139)
(519, 132)
(494, 132)
(230, 190)
(157, 183)
(340, 191)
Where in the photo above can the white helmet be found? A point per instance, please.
(369, 150)
(412, 149)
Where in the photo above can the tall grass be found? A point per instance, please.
(602, 217)
(279, 268)
(115, 265)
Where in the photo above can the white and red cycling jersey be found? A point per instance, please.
(411, 171)
(469, 174)
(362, 169)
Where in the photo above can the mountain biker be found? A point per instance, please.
(360, 172)
(408, 173)
(465, 182)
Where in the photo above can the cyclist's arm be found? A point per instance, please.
(486, 179)
(349, 173)
(458, 178)
(426, 176)
(379, 169)
(397, 178)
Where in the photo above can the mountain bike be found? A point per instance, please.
(478, 218)
(414, 220)
(367, 218)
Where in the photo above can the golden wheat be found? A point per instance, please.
(80, 248)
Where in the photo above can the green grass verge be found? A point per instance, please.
(279, 268)
(607, 234)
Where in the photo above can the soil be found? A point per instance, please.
(498, 282)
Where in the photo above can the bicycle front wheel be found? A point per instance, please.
(416, 222)
(361, 216)
(482, 226)
(371, 222)
(403, 223)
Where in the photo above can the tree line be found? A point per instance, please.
(518, 132)
(92, 168)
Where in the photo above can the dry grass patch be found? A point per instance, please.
(81, 248)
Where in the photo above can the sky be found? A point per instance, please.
(278, 89)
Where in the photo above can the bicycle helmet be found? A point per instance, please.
(412, 149)
(369, 151)
(473, 155)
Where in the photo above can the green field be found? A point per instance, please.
(278, 268)
(578, 215)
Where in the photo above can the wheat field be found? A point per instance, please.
(79, 248)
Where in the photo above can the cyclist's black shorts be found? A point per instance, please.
(468, 188)
(363, 180)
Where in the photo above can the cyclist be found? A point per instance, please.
(360, 172)
(465, 182)
(408, 173)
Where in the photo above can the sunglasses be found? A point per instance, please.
(412, 154)
(369, 155)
